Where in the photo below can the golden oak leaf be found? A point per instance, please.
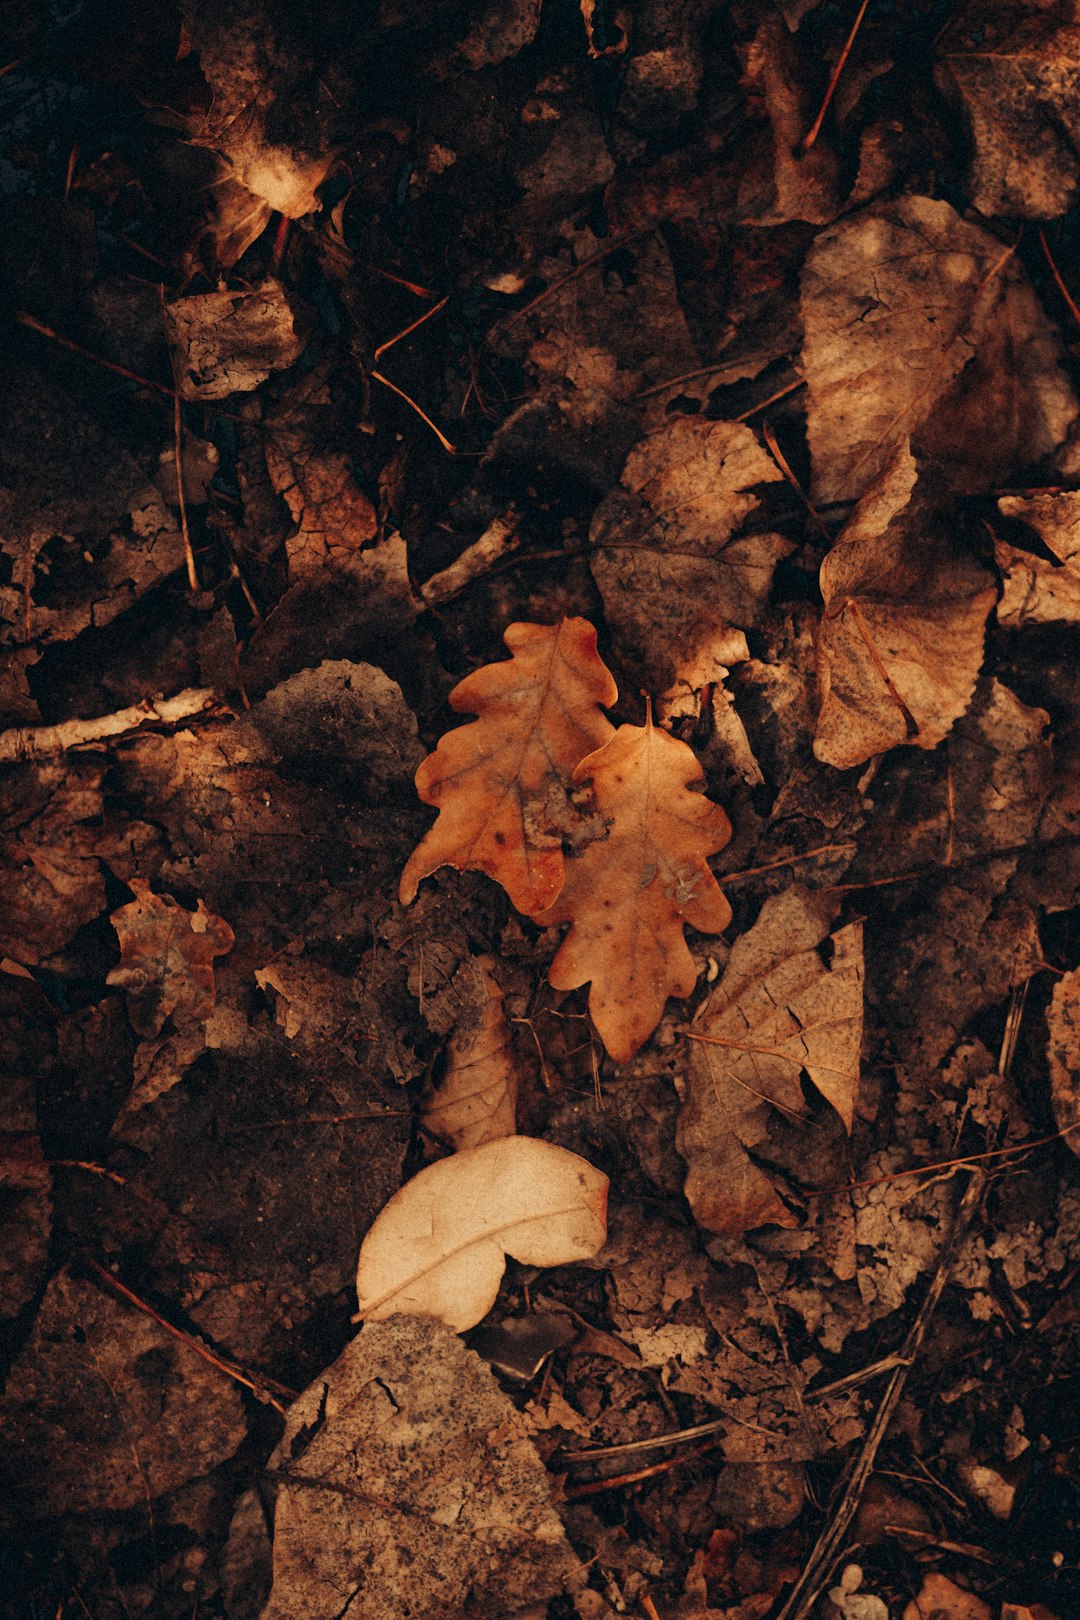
(501, 783)
(477, 1100)
(166, 957)
(627, 896)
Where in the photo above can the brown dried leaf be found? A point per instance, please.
(477, 1099)
(1063, 1051)
(439, 1247)
(166, 958)
(314, 475)
(629, 895)
(49, 857)
(680, 582)
(1016, 69)
(501, 783)
(229, 342)
(1037, 590)
(781, 181)
(901, 638)
(919, 323)
(790, 1003)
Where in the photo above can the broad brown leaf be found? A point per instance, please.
(1016, 70)
(919, 323)
(1063, 1052)
(627, 896)
(166, 957)
(783, 1008)
(1037, 590)
(901, 638)
(501, 783)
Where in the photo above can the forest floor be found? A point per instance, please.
(337, 341)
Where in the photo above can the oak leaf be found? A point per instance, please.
(919, 323)
(501, 782)
(627, 896)
(166, 958)
(901, 638)
(439, 1247)
(477, 1099)
(790, 1003)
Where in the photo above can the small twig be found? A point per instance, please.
(265, 1388)
(91, 1169)
(781, 461)
(34, 325)
(498, 541)
(815, 128)
(318, 1119)
(655, 1442)
(45, 742)
(945, 1164)
(781, 393)
(785, 860)
(807, 1589)
(405, 331)
(863, 628)
(1070, 302)
(178, 444)
(378, 377)
(612, 246)
(594, 1487)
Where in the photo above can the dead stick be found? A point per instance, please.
(45, 742)
(810, 1584)
(498, 540)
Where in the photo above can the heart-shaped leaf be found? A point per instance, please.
(439, 1247)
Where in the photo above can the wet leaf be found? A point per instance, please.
(901, 640)
(790, 1002)
(166, 958)
(440, 1245)
(501, 783)
(628, 896)
(921, 324)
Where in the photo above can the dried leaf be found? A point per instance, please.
(919, 323)
(477, 1099)
(49, 838)
(790, 1002)
(440, 1245)
(1063, 1052)
(315, 476)
(902, 633)
(629, 895)
(1041, 590)
(404, 1480)
(680, 582)
(1016, 70)
(229, 342)
(942, 1599)
(501, 783)
(780, 180)
(166, 958)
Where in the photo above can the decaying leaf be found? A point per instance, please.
(629, 895)
(680, 581)
(787, 182)
(476, 1101)
(921, 324)
(901, 638)
(229, 342)
(944, 1600)
(315, 476)
(790, 1003)
(1016, 70)
(501, 783)
(96, 1371)
(1038, 590)
(166, 958)
(49, 857)
(1063, 1025)
(405, 1480)
(440, 1245)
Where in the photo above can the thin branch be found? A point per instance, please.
(815, 128)
(45, 742)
